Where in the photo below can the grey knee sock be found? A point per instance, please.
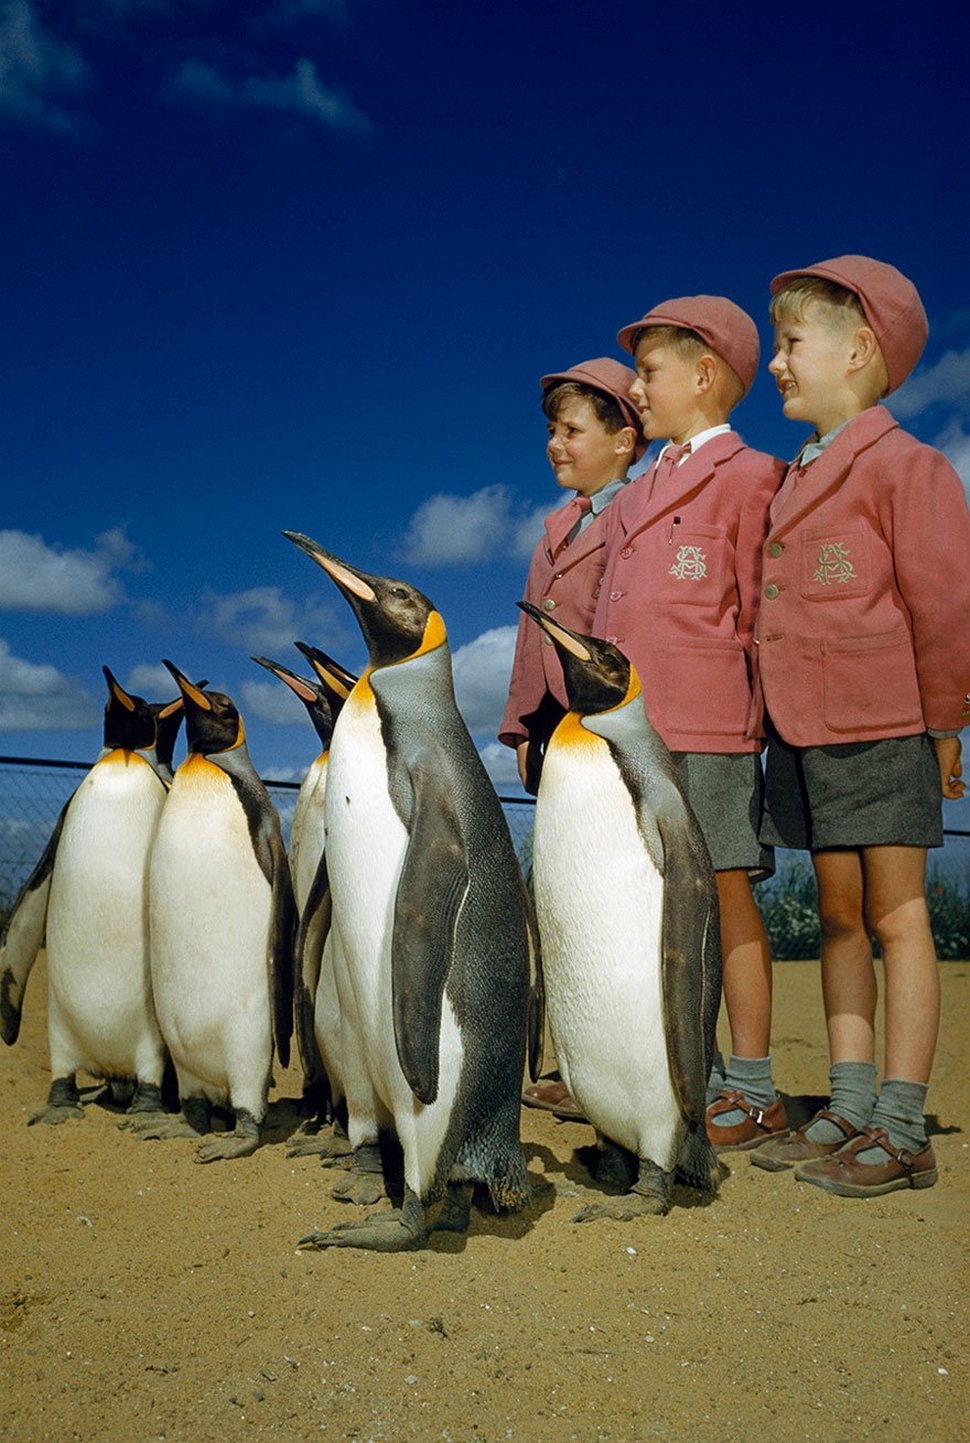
(853, 1088)
(752, 1077)
(900, 1111)
(716, 1080)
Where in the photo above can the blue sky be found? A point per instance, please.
(300, 265)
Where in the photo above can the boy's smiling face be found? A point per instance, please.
(583, 454)
(810, 364)
(665, 390)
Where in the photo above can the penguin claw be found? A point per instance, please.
(328, 1147)
(360, 1188)
(623, 1209)
(227, 1145)
(54, 1115)
(384, 1234)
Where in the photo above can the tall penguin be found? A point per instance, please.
(430, 911)
(221, 911)
(627, 908)
(100, 1012)
(316, 1012)
(23, 935)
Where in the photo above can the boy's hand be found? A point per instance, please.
(951, 768)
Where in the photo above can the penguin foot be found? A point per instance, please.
(364, 1184)
(393, 1232)
(63, 1104)
(146, 1101)
(614, 1166)
(456, 1210)
(242, 1142)
(328, 1145)
(192, 1122)
(622, 1209)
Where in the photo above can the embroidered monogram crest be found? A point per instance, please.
(833, 563)
(691, 564)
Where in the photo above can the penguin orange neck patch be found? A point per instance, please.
(435, 634)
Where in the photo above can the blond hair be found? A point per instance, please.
(690, 346)
(836, 307)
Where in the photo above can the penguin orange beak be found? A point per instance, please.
(334, 677)
(187, 688)
(117, 690)
(558, 632)
(296, 684)
(346, 578)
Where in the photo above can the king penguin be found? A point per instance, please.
(221, 913)
(627, 908)
(431, 914)
(316, 1010)
(23, 935)
(94, 876)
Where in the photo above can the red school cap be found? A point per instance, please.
(720, 324)
(889, 301)
(613, 379)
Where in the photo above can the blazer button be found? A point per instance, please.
(771, 591)
(549, 604)
(775, 549)
(616, 595)
(627, 551)
(557, 576)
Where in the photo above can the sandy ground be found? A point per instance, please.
(145, 1297)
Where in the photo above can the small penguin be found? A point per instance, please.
(431, 915)
(316, 1008)
(221, 914)
(95, 876)
(627, 908)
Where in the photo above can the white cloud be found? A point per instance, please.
(945, 383)
(264, 621)
(482, 669)
(37, 70)
(37, 697)
(450, 530)
(500, 763)
(301, 92)
(35, 576)
(954, 442)
(272, 702)
(154, 683)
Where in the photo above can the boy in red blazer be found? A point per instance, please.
(679, 597)
(864, 670)
(594, 437)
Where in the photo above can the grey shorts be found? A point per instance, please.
(858, 794)
(726, 792)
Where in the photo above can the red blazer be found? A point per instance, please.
(864, 630)
(568, 587)
(680, 591)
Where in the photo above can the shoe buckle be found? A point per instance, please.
(757, 1115)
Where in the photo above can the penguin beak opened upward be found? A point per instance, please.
(397, 620)
(212, 723)
(597, 675)
(129, 723)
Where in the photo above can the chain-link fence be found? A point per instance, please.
(34, 792)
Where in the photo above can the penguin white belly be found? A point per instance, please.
(307, 831)
(101, 1016)
(366, 844)
(599, 900)
(211, 907)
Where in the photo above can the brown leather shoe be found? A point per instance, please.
(759, 1123)
(844, 1174)
(788, 1150)
(553, 1097)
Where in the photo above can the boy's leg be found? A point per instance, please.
(848, 976)
(893, 1152)
(746, 1109)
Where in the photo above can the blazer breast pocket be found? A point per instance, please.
(835, 564)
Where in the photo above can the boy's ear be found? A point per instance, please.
(626, 441)
(706, 372)
(864, 347)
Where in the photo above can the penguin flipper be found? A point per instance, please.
(282, 930)
(23, 935)
(311, 939)
(430, 894)
(691, 960)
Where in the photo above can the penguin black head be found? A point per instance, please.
(598, 676)
(397, 620)
(212, 723)
(129, 723)
(311, 694)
